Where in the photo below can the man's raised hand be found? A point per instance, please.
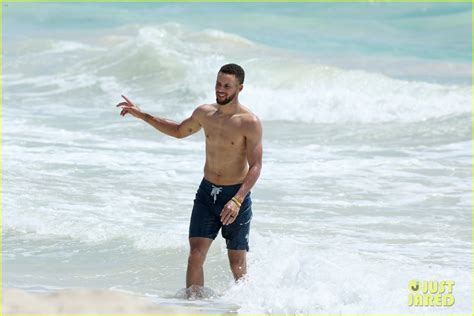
(129, 107)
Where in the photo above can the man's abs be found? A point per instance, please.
(226, 173)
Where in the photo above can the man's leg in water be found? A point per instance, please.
(197, 255)
(238, 263)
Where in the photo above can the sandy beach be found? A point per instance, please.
(83, 301)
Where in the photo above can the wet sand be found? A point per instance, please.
(83, 301)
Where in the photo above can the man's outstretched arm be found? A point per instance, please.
(179, 130)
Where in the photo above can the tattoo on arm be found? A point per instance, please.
(147, 117)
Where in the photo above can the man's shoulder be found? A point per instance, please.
(204, 109)
(248, 116)
(250, 120)
(207, 107)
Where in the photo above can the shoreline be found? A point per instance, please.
(83, 301)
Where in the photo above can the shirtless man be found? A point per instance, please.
(233, 164)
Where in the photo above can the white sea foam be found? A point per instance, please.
(170, 64)
(59, 47)
(287, 276)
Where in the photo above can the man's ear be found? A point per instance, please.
(241, 87)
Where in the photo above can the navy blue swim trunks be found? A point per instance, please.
(205, 218)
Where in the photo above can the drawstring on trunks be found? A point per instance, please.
(215, 191)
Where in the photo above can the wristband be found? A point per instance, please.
(234, 199)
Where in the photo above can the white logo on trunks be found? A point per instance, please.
(215, 191)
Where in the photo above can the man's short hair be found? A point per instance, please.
(234, 69)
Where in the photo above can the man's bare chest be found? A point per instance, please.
(224, 133)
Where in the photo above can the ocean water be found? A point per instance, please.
(367, 170)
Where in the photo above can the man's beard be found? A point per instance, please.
(226, 100)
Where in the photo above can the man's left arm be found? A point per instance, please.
(254, 156)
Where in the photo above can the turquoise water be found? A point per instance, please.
(367, 170)
(369, 33)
